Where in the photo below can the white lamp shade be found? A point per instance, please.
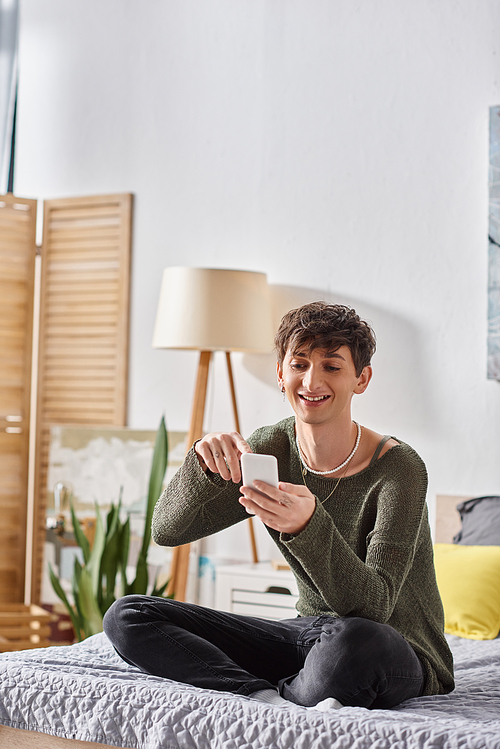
(214, 310)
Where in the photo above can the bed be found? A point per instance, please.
(66, 697)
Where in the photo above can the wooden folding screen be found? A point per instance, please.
(17, 269)
(84, 322)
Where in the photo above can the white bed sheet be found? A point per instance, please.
(87, 692)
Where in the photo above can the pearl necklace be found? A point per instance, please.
(332, 470)
(322, 501)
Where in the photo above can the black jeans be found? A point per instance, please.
(355, 660)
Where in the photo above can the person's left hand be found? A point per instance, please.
(286, 509)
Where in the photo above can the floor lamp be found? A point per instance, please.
(211, 310)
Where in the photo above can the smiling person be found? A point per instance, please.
(349, 515)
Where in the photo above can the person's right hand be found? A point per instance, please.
(221, 452)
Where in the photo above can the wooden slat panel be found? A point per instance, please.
(14, 272)
(64, 296)
(58, 287)
(17, 269)
(12, 369)
(80, 386)
(9, 583)
(83, 372)
(15, 291)
(99, 233)
(23, 627)
(63, 350)
(12, 232)
(79, 308)
(102, 249)
(11, 398)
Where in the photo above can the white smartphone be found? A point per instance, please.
(255, 466)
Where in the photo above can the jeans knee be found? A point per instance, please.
(366, 663)
(360, 642)
(120, 617)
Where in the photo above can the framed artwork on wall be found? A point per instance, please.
(100, 465)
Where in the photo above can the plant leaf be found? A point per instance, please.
(109, 569)
(62, 595)
(140, 584)
(93, 584)
(92, 617)
(158, 468)
(75, 583)
(159, 591)
(110, 559)
(112, 520)
(80, 537)
(93, 566)
(124, 545)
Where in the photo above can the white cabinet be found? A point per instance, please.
(256, 590)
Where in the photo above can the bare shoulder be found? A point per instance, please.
(373, 440)
(370, 440)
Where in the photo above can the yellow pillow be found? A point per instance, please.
(469, 583)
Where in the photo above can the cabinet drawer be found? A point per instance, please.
(264, 604)
(256, 590)
(263, 611)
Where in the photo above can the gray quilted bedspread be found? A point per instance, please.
(87, 692)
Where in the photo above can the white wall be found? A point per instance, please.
(341, 147)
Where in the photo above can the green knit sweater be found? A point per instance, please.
(366, 551)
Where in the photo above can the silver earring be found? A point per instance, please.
(284, 394)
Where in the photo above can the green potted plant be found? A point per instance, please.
(94, 584)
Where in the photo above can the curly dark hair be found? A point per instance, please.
(319, 325)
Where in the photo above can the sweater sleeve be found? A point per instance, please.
(194, 505)
(368, 587)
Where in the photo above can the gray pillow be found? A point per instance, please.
(480, 522)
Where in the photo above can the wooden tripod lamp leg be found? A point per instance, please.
(180, 560)
(253, 542)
